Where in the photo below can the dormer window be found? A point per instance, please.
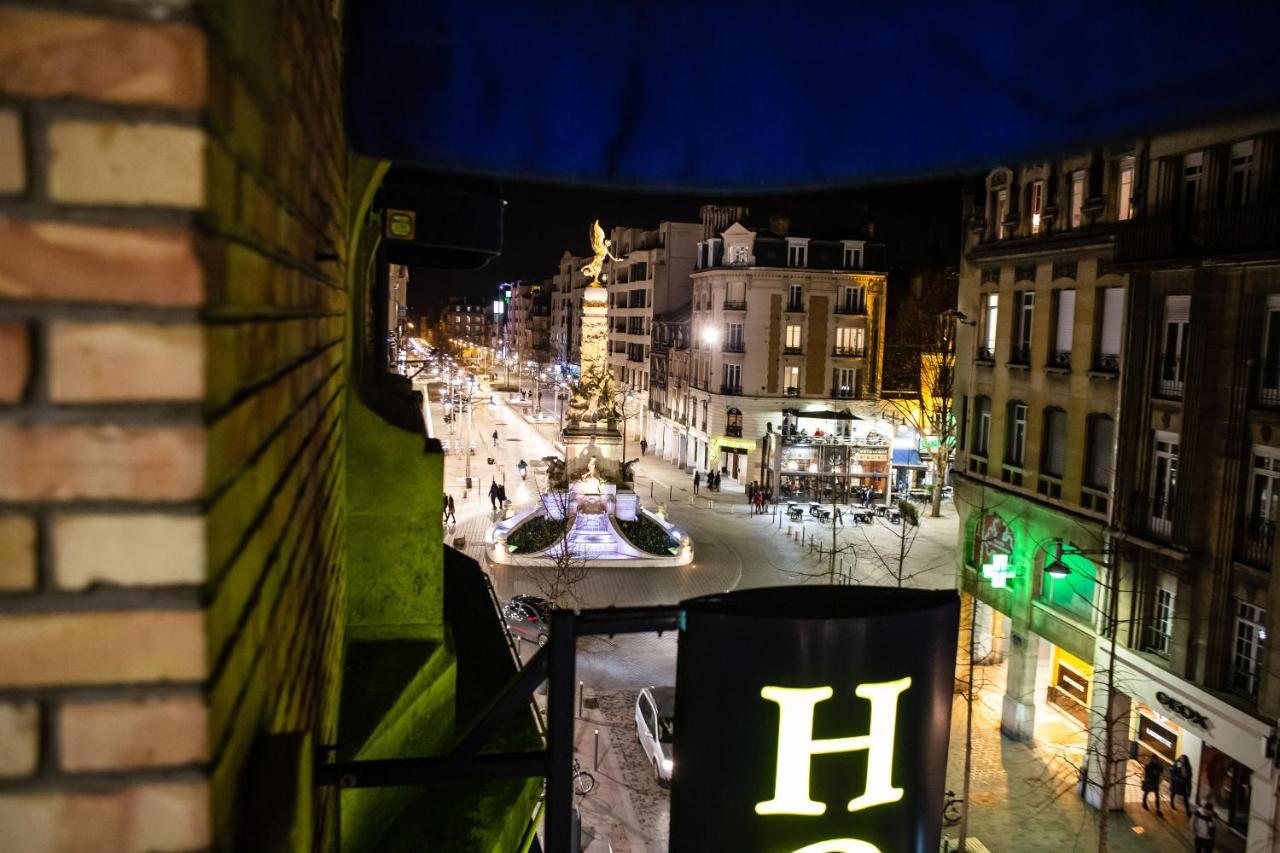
(853, 254)
(738, 254)
(797, 253)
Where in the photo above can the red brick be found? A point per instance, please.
(62, 462)
(53, 54)
(130, 646)
(87, 263)
(125, 361)
(133, 733)
(15, 361)
(157, 816)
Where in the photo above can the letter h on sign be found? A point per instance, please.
(797, 746)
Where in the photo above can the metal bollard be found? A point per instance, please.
(580, 691)
(596, 762)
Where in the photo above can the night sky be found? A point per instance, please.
(920, 222)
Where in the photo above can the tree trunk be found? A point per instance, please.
(939, 473)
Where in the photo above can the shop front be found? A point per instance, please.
(1070, 687)
(730, 455)
(1226, 747)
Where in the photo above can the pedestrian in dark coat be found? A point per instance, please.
(1180, 783)
(493, 494)
(1203, 827)
(1152, 773)
(697, 481)
(644, 446)
(502, 495)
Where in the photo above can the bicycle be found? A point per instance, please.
(583, 782)
(951, 808)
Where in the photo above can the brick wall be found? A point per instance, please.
(172, 316)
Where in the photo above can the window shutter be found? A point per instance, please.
(1066, 319)
(1177, 309)
(1057, 428)
(1100, 445)
(1112, 320)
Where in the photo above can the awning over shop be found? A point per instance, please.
(823, 415)
(907, 457)
(620, 94)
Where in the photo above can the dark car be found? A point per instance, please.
(526, 617)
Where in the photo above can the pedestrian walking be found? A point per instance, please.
(697, 481)
(495, 438)
(644, 446)
(502, 495)
(450, 511)
(759, 501)
(1180, 783)
(1152, 773)
(1204, 826)
(524, 469)
(493, 494)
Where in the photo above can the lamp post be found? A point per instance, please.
(1058, 568)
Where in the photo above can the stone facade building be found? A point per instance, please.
(779, 321)
(1119, 306)
(566, 311)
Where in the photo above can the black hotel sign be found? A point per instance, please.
(813, 720)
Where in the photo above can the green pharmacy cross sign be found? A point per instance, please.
(998, 571)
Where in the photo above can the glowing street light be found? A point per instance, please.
(711, 337)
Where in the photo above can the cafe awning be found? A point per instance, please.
(823, 414)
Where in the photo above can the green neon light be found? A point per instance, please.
(998, 571)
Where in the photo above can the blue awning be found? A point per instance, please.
(907, 457)
(759, 94)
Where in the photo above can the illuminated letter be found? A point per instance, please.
(840, 845)
(797, 746)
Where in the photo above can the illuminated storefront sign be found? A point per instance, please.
(998, 571)
(804, 725)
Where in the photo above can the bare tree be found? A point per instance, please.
(930, 342)
(558, 582)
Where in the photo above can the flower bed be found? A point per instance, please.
(647, 535)
(536, 534)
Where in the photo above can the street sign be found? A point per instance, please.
(813, 720)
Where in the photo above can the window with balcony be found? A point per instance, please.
(735, 296)
(1100, 450)
(1111, 326)
(1124, 190)
(731, 379)
(1247, 650)
(795, 297)
(1189, 194)
(1064, 310)
(792, 342)
(850, 341)
(791, 379)
(1054, 446)
(1016, 434)
(1240, 181)
(981, 425)
(733, 423)
(1164, 484)
(990, 315)
(1036, 205)
(1269, 368)
(733, 339)
(999, 210)
(1173, 346)
(1024, 320)
(844, 383)
(853, 300)
(1076, 211)
(1258, 526)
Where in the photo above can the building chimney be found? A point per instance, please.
(717, 217)
(780, 224)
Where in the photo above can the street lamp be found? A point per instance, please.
(710, 337)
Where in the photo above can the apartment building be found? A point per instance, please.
(566, 311)
(669, 385)
(467, 320)
(651, 278)
(1121, 339)
(529, 322)
(778, 322)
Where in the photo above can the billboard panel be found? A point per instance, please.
(813, 719)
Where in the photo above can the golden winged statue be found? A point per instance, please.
(600, 251)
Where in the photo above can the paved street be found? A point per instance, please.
(1013, 785)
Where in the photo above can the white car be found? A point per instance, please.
(655, 728)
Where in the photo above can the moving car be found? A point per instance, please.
(526, 617)
(655, 728)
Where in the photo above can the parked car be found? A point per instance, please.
(526, 617)
(655, 728)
